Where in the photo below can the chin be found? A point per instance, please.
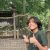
(32, 28)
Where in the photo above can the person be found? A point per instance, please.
(38, 41)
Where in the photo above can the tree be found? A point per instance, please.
(34, 7)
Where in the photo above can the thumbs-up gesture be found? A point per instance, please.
(33, 39)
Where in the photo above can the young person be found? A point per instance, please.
(38, 41)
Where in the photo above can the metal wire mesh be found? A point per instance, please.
(11, 44)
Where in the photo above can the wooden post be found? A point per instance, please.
(48, 33)
(17, 34)
(14, 25)
(13, 8)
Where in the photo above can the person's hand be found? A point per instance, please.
(33, 39)
(26, 40)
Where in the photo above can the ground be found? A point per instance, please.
(11, 44)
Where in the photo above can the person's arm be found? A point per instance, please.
(40, 46)
(36, 42)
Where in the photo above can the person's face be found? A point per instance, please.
(32, 25)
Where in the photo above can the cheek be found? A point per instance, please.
(35, 26)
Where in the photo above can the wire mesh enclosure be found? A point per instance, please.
(11, 44)
(12, 24)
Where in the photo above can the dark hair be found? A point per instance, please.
(37, 21)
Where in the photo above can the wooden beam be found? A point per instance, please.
(6, 17)
(11, 17)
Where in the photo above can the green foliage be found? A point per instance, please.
(39, 8)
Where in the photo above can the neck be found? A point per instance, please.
(35, 30)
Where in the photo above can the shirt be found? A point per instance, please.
(42, 39)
